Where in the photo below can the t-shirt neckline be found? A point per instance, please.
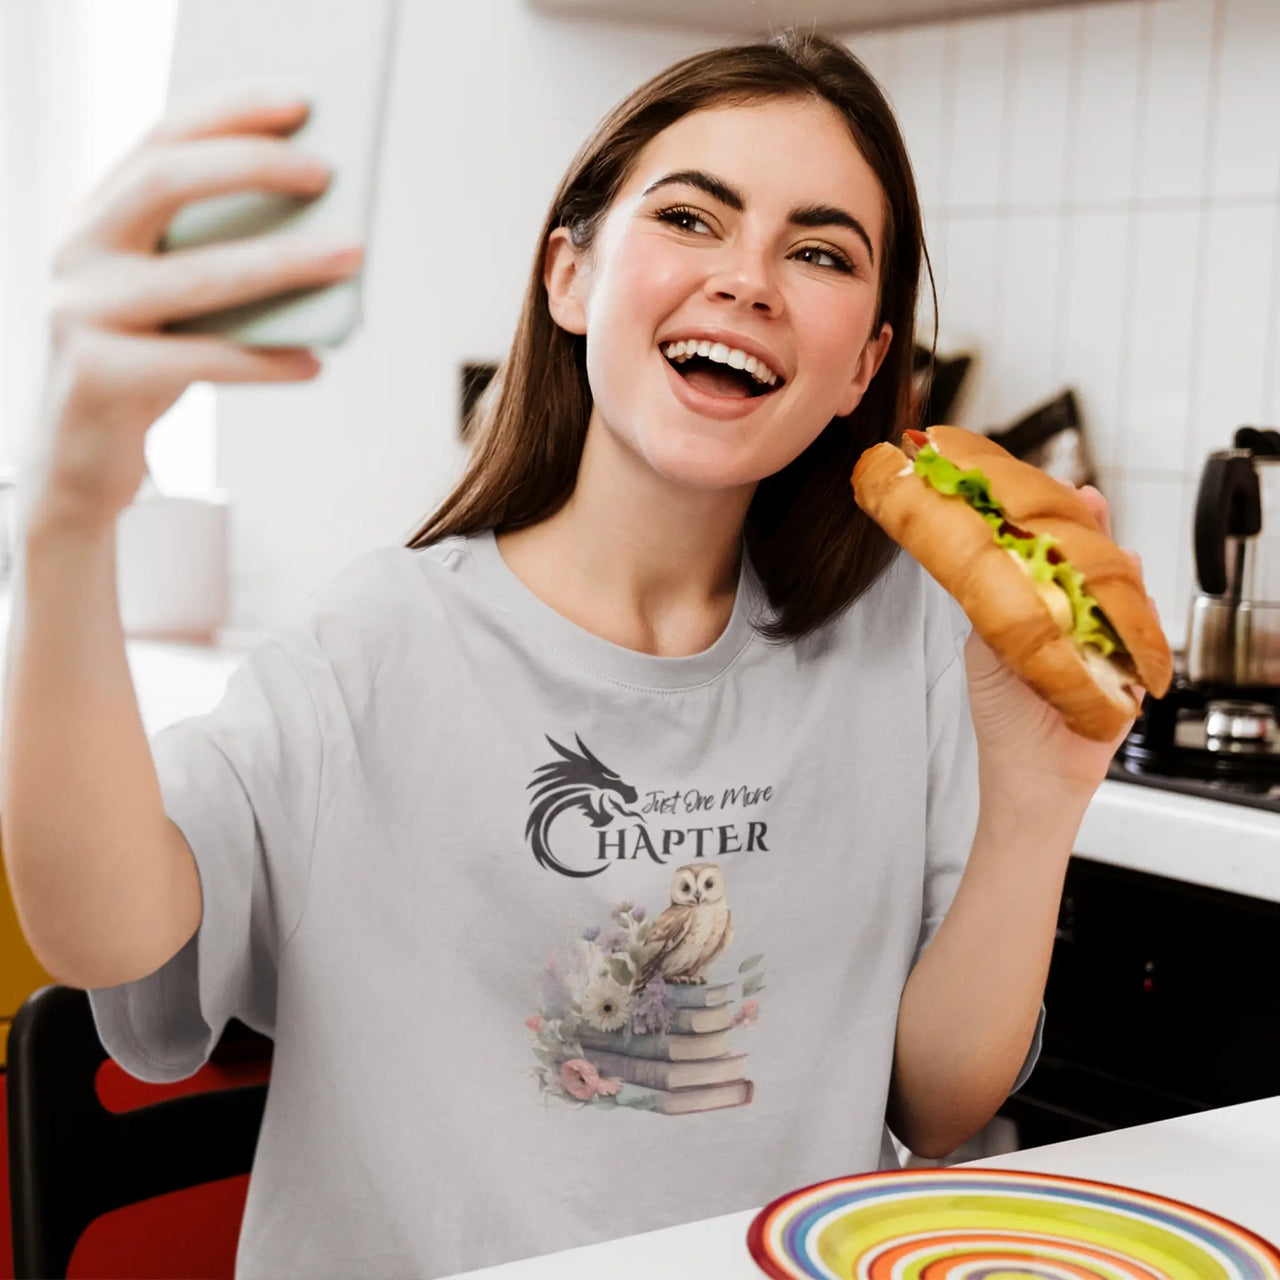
(603, 657)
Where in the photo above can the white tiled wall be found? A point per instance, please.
(1101, 187)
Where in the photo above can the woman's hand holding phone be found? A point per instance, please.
(107, 886)
(112, 369)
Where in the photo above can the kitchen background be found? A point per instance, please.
(1101, 185)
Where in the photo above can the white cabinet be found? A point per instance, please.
(759, 17)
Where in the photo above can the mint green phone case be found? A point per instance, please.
(339, 53)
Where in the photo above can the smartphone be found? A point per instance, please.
(339, 53)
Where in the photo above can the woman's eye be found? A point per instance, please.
(821, 257)
(685, 219)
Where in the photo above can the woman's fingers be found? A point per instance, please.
(209, 359)
(1097, 504)
(264, 107)
(113, 369)
(105, 367)
(172, 162)
(130, 210)
(103, 391)
(143, 291)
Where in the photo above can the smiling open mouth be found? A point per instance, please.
(719, 370)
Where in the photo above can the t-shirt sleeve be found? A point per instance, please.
(243, 784)
(951, 817)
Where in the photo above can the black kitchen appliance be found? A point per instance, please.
(1163, 999)
(1233, 632)
(1216, 733)
(1051, 437)
(1207, 739)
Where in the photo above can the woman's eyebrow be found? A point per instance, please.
(813, 215)
(828, 215)
(715, 187)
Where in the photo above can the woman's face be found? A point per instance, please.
(744, 233)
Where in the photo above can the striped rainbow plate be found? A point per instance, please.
(994, 1224)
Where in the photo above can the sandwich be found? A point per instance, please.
(1024, 557)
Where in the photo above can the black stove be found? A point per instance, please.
(1216, 741)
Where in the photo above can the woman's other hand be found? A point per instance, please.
(112, 371)
(1024, 742)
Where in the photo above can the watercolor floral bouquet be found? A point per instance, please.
(604, 1037)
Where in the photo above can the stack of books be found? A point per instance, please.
(686, 1069)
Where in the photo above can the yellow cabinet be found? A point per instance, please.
(20, 972)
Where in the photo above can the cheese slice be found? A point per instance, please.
(1055, 598)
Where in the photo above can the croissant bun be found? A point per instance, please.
(1096, 695)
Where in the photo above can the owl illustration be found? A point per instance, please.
(693, 930)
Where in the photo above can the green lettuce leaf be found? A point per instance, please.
(1089, 624)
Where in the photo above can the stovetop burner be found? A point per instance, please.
(1209, 740)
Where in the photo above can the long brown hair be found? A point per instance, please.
(815, 551)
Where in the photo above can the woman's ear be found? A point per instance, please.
(872, 357)
(563, 276)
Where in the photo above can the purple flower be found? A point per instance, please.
(638, 914)
(650, 1008)
(591, 934)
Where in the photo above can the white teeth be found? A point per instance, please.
(734, 357)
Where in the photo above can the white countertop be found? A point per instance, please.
(1226, 1161)
(172, 680)
(1208, 842)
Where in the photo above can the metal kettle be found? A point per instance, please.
(1233, 634)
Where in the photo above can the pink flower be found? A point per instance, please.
(746, 1013)
(535, 1023)
(583, 1081)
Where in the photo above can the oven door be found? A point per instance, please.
(1163, 999)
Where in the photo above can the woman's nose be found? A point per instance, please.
(747, 277)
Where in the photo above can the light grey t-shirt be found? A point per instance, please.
(558, 941)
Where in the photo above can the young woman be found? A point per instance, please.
(646, 835)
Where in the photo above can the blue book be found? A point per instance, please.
(671, 1046)
(697, 995)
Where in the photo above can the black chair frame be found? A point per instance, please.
(71, 1160)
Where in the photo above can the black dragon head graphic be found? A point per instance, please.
(578, 780)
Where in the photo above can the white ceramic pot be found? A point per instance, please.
(172, 570)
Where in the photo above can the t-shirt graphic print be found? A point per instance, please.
(641, 1010)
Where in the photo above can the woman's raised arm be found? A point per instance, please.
(105, 886)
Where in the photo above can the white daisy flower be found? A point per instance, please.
(606, 1004)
